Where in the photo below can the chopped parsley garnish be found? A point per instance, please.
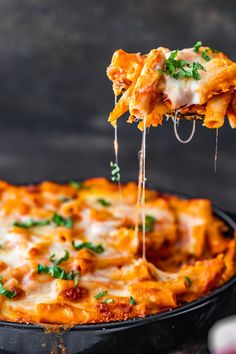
(188, 281)
(57, 219)
(78, 185)
(76, 277)
(195, 68)
(61, 221)
(149, 223)
(108, 300)
(101, 294)
(196, 46)
(54, 271)
(104, 202)
(61, 260)
(8, 293)
(115, 172)
(205, 55)
(58, 273)
(132, 301)
(31, 223)
(178, 68)
(95, 248)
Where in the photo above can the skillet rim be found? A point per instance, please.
(139, 321)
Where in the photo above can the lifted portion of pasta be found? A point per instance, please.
(197, 82)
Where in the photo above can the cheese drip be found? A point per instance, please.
(116, 150)
(216, 149)
(176, 121)
(141, 189)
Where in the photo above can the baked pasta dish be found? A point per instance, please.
(70, 253)
(197, 82)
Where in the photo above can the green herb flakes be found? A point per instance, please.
(205, 56)
(132, 301)
(115, 172)
(149, 223)
(61, 260)
(89, 245)
(61, 221)
(179, 68)
(101, 294)
(103, 202)
(31, 223)
(8, 293)
(188, 281)
(58, 273)
(197, 46)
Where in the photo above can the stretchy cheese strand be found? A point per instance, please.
(116, 149)
(141, 190)
(143, 157)
(216, 149)
(176, 132)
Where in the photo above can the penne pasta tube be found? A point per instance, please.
(231, 112)
(233, 103)
(231, 115)
(122, 61)
(145, 87)
(122, 66)
(216, 110)
(156, 116)
(122, 105)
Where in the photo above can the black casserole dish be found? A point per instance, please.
(158, 333)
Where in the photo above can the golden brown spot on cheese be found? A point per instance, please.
(34, 252)
(75, 293)
(19, 292)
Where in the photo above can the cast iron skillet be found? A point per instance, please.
(158, 333)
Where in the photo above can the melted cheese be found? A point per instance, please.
(185, 92)
(118, 272)
(159, 87)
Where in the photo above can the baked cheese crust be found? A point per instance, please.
(69, 253)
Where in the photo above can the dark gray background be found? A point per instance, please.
(55, 96)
